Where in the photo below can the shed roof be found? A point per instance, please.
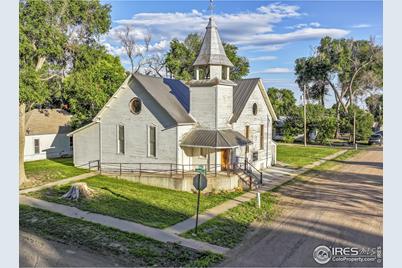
(219, 139)
(47, 121)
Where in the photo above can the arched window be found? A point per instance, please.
(135, 105)
(255, 109)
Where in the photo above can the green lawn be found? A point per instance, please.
(299, 156)
(229, 228)
(148, 205)
(133, 249)
(49, 170)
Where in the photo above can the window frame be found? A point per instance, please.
(255, 108)
(36, 152)
(247, 137)
(121, 143)
(262, 137)
(131, 107)
(154, 153)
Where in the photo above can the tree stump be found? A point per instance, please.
(77, 190)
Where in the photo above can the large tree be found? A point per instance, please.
(283, 101)
(347, 67)
(56, 37)
(181, 56)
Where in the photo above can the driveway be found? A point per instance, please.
(341, 207)
(39, 252)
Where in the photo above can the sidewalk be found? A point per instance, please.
(275, 177)
(123, 225)
(59, 182)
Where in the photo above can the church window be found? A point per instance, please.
(152, 141)
(135, 105)
(120, 140)
(255, 109)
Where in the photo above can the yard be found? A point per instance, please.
(135, 250)
(298, 156)
(44, 171)
(148, 205)
(229, 228)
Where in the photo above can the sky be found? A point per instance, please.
(271, 34)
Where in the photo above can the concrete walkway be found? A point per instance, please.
(123, 225)
(272, 177)
(59, 182)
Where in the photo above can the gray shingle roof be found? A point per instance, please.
(241, 94)
(166, 97)
(208, 138)
(212, 51)
(47, 121)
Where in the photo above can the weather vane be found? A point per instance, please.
(211, 7)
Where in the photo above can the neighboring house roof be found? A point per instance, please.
(212, 51)
(208, 138)
(172, 95)
(47, 121)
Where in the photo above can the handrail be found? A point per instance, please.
(247, 163)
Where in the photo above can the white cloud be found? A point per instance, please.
(275, 70)
(303, 34)
(362, 25)
(304, 25)
(263, 58)
(249, 30)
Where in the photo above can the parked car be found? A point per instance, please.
(375, 139)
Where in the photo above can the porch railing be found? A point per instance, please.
(171, 170)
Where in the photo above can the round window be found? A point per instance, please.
(135, 105)
(255, 109)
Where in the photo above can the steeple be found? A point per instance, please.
(212, 55)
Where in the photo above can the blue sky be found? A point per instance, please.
(271, 34)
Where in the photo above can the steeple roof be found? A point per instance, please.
(212, 51)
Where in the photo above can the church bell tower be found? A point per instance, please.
(211, 90)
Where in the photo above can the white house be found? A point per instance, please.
(46, 134)
(209, 120)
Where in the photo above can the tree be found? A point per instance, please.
(181, 56)
(375, 106)
(364, 122)
(282, 100)
(134, 51)
(95, 78)
(347, 67)
(52, 35)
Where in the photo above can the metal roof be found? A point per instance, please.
(241, 94)
(219, 139)
(171, 94)
(212, 51)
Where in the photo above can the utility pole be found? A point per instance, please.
(305, 115)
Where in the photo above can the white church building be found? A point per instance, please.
(210, 120)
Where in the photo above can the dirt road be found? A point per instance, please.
(341, 207)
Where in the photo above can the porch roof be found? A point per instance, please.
(211, 138)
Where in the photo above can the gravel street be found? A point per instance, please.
(340, 207)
